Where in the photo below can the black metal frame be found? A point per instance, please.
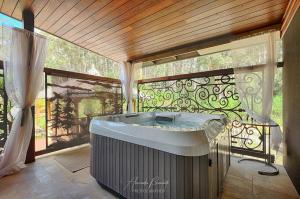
(268, 159)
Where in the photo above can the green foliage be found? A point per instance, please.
(277, 109)
(90, 107)
(64, 55)
(277, 98)
(1, 83)
(252, 55)
(41, 122)
(247, 56)
(278, 82)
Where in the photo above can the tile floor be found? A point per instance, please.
(47, 179)
(243, 182)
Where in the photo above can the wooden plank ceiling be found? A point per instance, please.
(130, 29)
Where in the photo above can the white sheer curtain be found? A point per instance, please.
(129, 73)
(23, 74)
(255, 87)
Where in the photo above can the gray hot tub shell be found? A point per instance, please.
(139, 162)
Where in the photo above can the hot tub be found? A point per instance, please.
(165, 155)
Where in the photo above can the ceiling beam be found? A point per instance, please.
(289, 14)
(172, 59)
(192, 47)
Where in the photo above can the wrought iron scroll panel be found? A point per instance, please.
(70, 105)
(213, 94)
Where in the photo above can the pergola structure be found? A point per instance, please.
(160, 31)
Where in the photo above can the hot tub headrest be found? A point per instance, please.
(168, 117)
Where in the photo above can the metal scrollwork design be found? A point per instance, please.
(205, 94)
(213, 95)
(247, 136)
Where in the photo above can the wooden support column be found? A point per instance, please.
(28, 20)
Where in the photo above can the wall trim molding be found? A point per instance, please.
(289, 14)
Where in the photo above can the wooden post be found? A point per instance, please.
(28, 20)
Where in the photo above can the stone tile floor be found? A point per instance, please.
(243, 182)
(47, 179)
